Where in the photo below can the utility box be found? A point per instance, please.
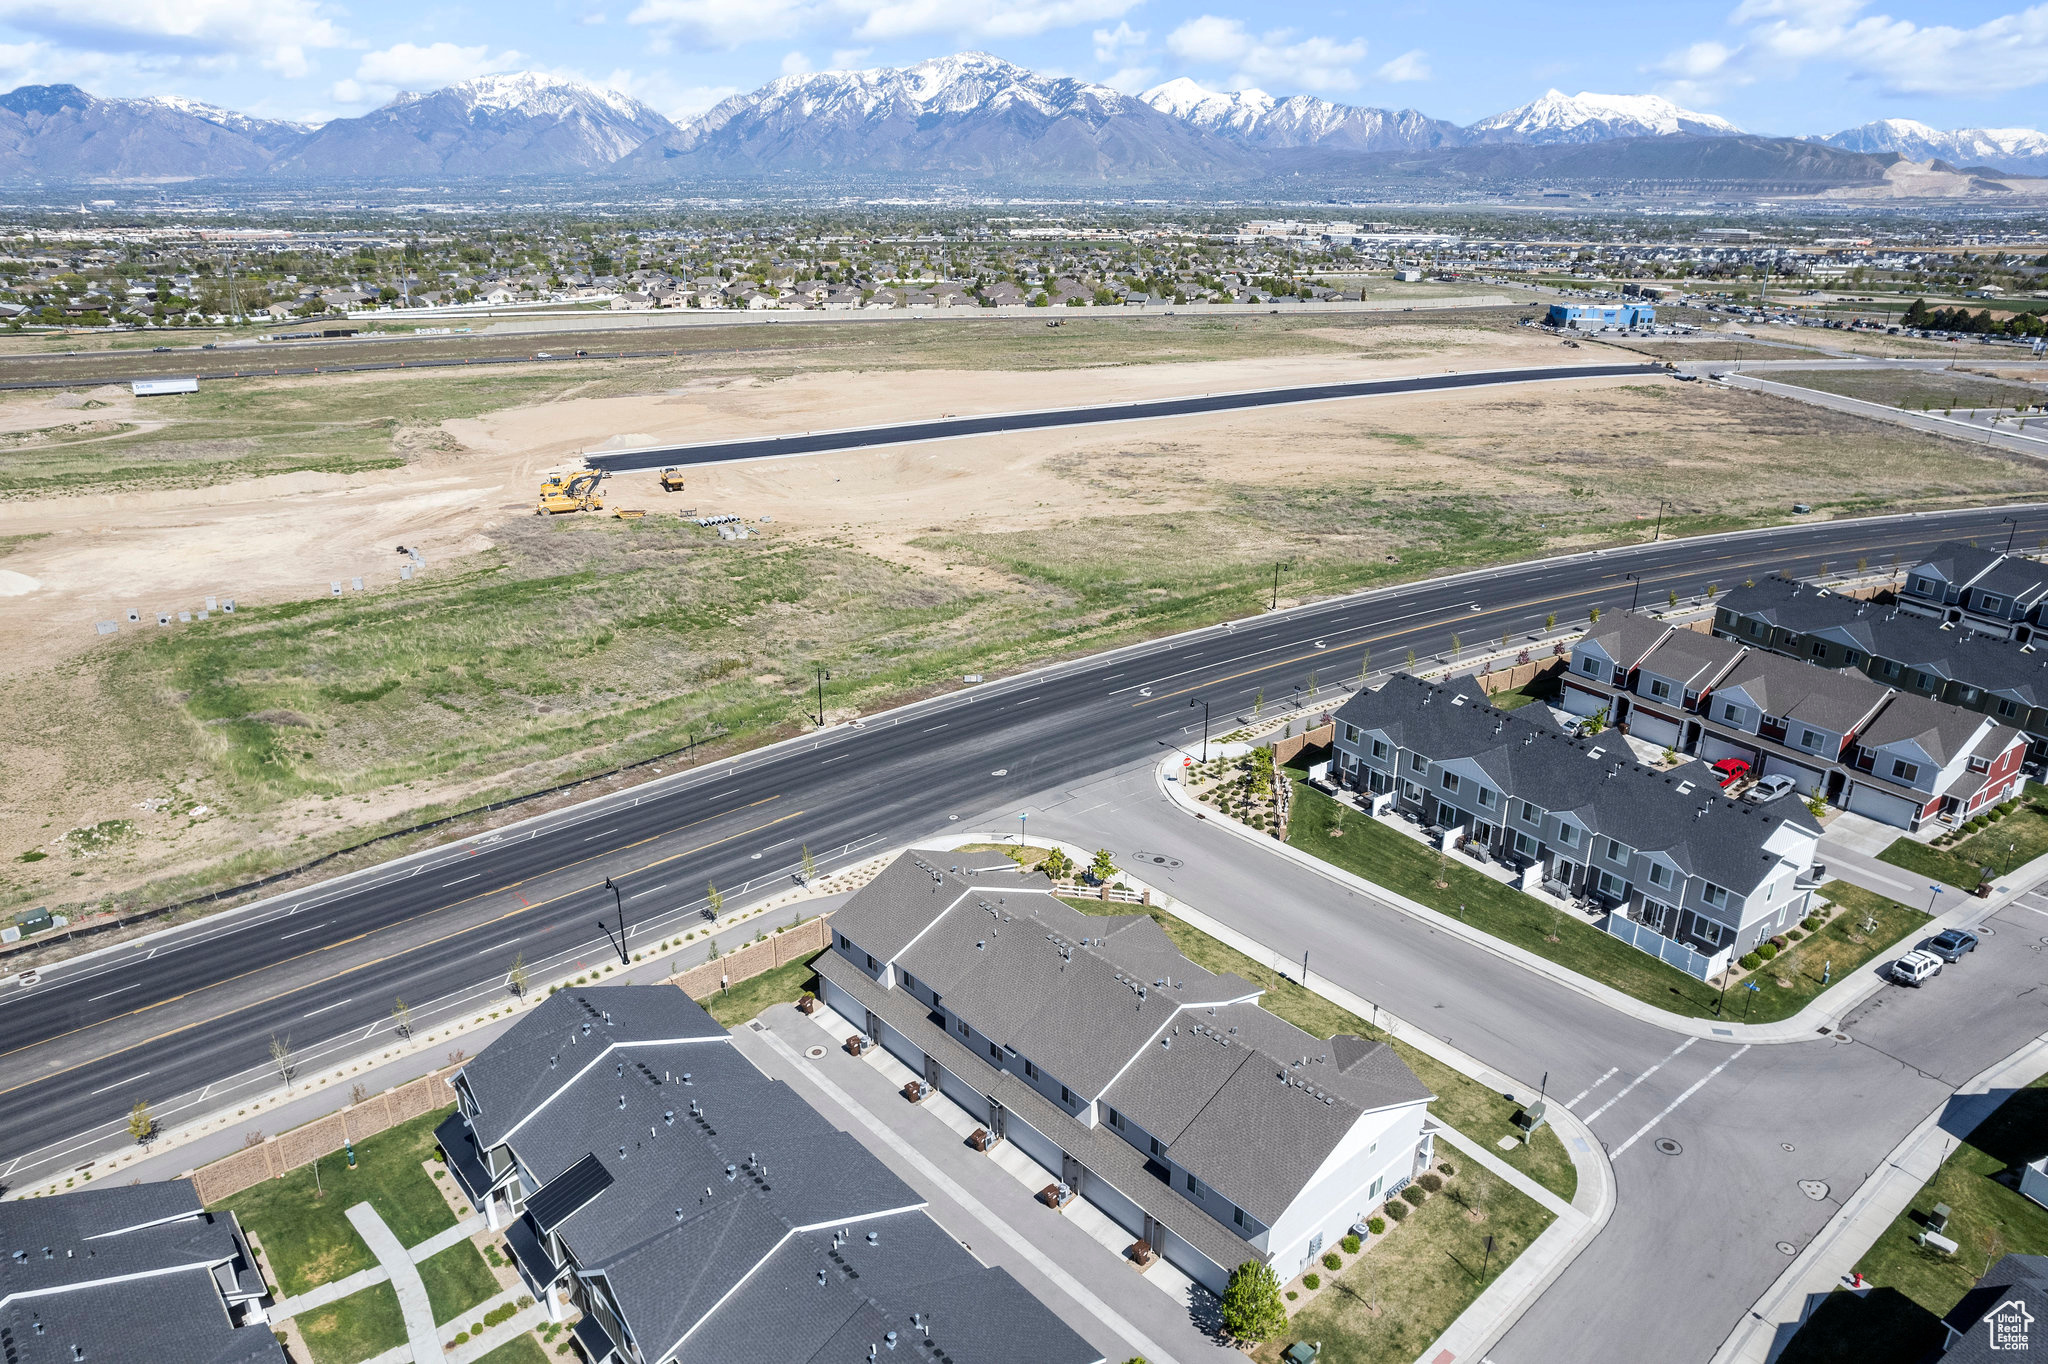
(1529, 1119)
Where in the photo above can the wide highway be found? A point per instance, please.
(1046, 419)
(185, 1018)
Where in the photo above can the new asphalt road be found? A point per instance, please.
(185, 1019)
(1209, 404)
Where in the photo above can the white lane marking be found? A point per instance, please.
(601, 835)
(495, 946)
(111, 993)
(929, 728)
(295, 932)
(1697, 1085)
(1638, 1080)
(460, 879)
(1144, 688)
(1574, 1100)
(649, 891)
(834, 760)
(118, 1083)
(325, 1007)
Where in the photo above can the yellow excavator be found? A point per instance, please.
(672, 479)
(577, 493)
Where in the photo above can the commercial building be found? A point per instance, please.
(1206, 1127)
(698, 1212)
(2005, 678)
(1591, 317)
(128, 1273)
(1672, 862)
(1891, 755)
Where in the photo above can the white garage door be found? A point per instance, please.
(1882, 806)
(1714, 748)
(1581, 702)
(1775, 766)
(1653, 729)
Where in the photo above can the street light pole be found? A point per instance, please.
(624, 960)
(1276, 588)
(1636, 593)
(1022, 815)
(1196, 700)
(1658, 533)
(2009, 535)
(823, 674)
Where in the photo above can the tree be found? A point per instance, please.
(1104, 866)
(519, 978)
(283, 1059)
(401, 1017)
(1364, 666)
(141, 1122)
(1251, 1308)
(715, 900)
(1594, 615)
(1058, 865)
(810, 865)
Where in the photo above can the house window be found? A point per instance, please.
(1450, 781)
(1994, 604)
(963, 1028)
(1530, 814)
(1525, 845)
(846, 942)
(1613, 885)
(1197, 1188)
(1568, 835)
(1617, 851)
(1852, 657)
(1756, 627)
(1970, 695)
(1905, 771)
(1810, 739)
(1590, 666)
(1924, 585)
(1116, 1120)
(1237, 1216)
(1379, 749)
(872, 963)
(1488, 799)
(1157, 1149)
(1891, 667)
(995, 1053)
(1730, 714)
(1660, 875)
(1418, 763)
(1065, 1097)
(1924, 681)
(1660, 689)
(1820, 648)
(1351, 734)
(910, 982)
(1030, 1071)
(1714, 896)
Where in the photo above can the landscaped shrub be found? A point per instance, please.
(1292, 1295)
(1430, 1180)
(1794, 934)
(1811, 923)
(1332, 1263)
(1350, 1244)
(524, 1302)
(462, 1338)
(1311, 1282)
(1397, 1211)
(1378, 1226)
(1415, 1194)
(1766, 950)
(1749, 961)
(1778, 941)
(503, 1312)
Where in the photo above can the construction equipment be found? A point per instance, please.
(578, 494)
(672, 479)
(630, 513)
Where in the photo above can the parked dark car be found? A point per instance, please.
(1952, 945)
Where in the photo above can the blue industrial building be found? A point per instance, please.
(1588, 317)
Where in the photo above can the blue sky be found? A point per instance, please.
(1779, 66)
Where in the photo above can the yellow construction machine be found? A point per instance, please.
(578, 493)
(672, 479)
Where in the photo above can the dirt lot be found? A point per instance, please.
(1919, 389)
(529, 649)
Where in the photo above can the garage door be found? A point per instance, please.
(1034, 1143)
(1653, 729)
(1775, 766)
(964, 1094)
(1581, 702)
(1714, 748)
(1882, 806)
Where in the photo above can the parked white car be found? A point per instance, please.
(1770, 789)
(1915, 967)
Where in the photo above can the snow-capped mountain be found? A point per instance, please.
(1587, 117)
(2013, 149)
(1256, 118)
(274, 133)
(59, 132)
(969, 114)
(520, 123)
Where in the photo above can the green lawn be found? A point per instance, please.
(1789, 983)
(1389, 858)
(308, 1237)
(1387, 1305)
(748, 997)
(1915, 1288)
(2013, 841)
(457, 1279)
(1474, 1110)
(519, 1350)
(360, 1326)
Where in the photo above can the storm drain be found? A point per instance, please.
(814, 1052)
(1667, 1146)
(1787, 1248)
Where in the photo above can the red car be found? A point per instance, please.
(1730, 771)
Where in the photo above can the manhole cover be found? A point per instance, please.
(1787, 1145)
(1156, 859)
(1667, 1146)
(1987, 931)
(1787, 1248)
(1841, 1037)
(814, 1052)
(1813, 1189)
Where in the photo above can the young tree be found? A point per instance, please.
(1058, 865)
(1251, 1307)
(519, 978)
(141, 1122)
(810, 866)
(1104, 866)
(401, 1017)
(714, 900)
(283, 1059)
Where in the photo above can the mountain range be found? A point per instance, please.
(969, 116)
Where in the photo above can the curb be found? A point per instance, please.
(1884, 1194)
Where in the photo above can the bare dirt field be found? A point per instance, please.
(530, 649)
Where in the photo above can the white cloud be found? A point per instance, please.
(1275, 57)
(592, 18)
(850, 58)
(1132, 80)
(276, 32)
(729, 23)
(404, 66)
(795, 64)
(678, 103)
(1780, 37)
(1119, 44)
(1409, 66)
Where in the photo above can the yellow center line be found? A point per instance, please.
(360, 966)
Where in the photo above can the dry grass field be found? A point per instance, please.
(531, 649)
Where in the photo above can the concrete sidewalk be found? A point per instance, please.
(1821, 1013)
(421, 1332)
(1833, 1252)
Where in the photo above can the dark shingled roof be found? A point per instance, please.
(2015, 1278)
(1594, 779)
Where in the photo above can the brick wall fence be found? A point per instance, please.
(778, 949)
(274, 1157)
(1286, 750)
